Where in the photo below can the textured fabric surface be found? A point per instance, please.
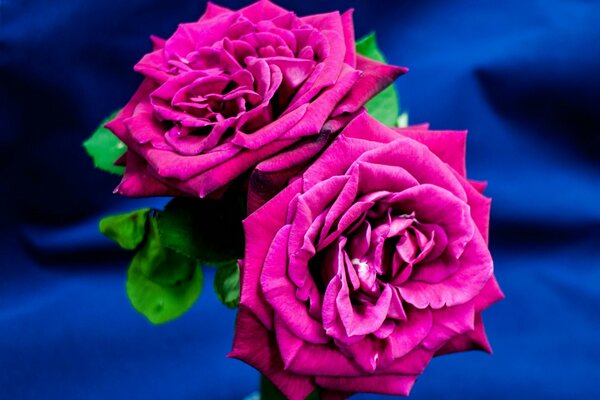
(520, 76)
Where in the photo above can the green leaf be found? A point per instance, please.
(161, 283)
(227, 284)
(383, 107)
(268, 391)
(105, 148)
(128, 230)
(367, 47)
(208, 230)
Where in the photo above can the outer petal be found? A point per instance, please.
(448, 323)
(320, 110)
(279, 291)
(117, 125)
(213, 10)
(336, 159)
(272, 175)
(348, 26)
(256, 346)
(449, 146)
(219, 176)
(260, 228)
(375, 77)
(475, 339)
(480, 208)
(137, 182)
(399, 385)
(262, 10)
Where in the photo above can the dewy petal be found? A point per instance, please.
(280, 292)
(475, 270)
(375, 77)
(256, 346)
(260, 228)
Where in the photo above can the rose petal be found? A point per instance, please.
(472, 340)
(448, 323)
(375, 77)
(449, 146)
(348, 26)
(225, 172)
(262, 10)
(480, 208)
(137, 182)
(213, 10)
(260, 228)
(270, 132)
(280, 292)
(169, 164)
(399, 385)
(475, 270)
(319, 110)
(254, 345)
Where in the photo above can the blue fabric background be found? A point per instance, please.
(522, 76)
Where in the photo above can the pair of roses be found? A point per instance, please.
(365, 246)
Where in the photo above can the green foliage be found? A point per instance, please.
(128, 230)
(105, 148)
(268, 391)
(208, 230)
(383, 107)
(227, 284)
(161, 283)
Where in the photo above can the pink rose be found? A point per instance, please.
(235, 88)
(366, 266)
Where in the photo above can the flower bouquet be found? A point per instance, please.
(353, 245)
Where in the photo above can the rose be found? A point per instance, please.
(366, 266)
(234, 88)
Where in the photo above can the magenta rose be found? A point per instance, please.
(235, 88)
(366, 266)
